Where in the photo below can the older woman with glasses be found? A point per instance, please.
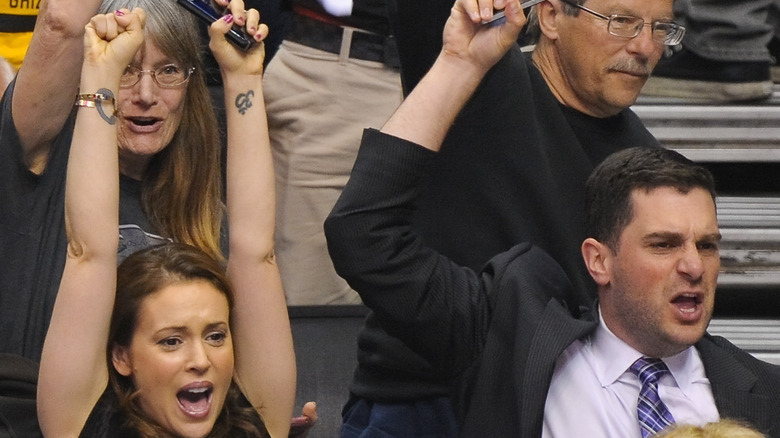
(144, 170)
(169, 166)
(169, 162)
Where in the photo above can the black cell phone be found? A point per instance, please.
(203, 10)
(499, 15)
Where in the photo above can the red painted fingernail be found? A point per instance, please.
(119, 13)
(228, 18)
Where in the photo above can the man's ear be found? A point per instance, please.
(598, 260)
(120, 357)
(548, 24)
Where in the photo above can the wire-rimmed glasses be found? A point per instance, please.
(628, 26)
(166, 76)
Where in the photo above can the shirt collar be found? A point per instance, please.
(612, 358)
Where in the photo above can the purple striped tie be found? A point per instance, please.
(652, 413)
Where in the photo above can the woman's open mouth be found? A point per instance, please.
(143, 124)
(195, 399)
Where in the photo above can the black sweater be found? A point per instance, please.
(491, 188)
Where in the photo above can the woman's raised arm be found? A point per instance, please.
(48, 80)
(73, 372)
(265, 359)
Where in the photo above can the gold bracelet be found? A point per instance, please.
(95, 100)
(90, 100)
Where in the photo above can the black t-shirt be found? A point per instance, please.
(33, 242)
(107, 420)
(492, 187)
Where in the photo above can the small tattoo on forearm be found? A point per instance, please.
(244, 101)
(110, 96)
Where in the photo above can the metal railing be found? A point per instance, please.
(759, 337)
(747, 133)
(715, 133)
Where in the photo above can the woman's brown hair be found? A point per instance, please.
(143, 274)
(182, 186)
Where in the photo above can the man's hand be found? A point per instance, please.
(469, 50)
(465, 36)
(300, 426)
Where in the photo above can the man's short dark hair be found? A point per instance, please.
(609, 188)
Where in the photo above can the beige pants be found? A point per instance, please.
(317, 109)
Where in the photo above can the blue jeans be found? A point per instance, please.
(428, 418)
(729, 30)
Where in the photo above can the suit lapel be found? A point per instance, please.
(731, 384)
(556, 330)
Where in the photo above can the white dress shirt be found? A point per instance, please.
(594, 394)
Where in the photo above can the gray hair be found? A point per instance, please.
(172, 29)
(534, 32)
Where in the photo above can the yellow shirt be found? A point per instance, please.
(17, 20)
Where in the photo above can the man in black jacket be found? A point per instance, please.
(526, 364)
(528, 131)
(524, 360)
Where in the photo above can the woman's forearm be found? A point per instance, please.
(265, 359)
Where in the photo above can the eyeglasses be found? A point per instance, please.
(167, 76)
(628, 26)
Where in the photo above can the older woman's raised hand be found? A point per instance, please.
(232, 60)
(111, 40)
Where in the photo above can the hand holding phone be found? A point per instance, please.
(203, 10)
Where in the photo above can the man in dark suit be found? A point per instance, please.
(526, 362)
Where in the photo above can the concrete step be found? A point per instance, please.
(742, 212)
(750, 250)
(759, 337)
(745, 135)
(715, 132)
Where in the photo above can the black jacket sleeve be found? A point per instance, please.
(437, 308)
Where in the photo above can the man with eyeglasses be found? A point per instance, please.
(522, 135)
